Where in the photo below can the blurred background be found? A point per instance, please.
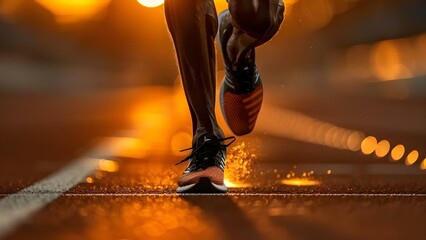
(344, 113)
(73, 70)
(67, 45)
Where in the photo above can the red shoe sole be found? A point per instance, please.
(208, 180)
(241, 110)
(204, 185)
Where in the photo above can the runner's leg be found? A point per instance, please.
(193, 26)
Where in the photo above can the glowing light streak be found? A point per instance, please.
(300, 182)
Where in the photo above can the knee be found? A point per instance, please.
(256, 23)
(251, 22)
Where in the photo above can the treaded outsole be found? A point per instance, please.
(204, 185)
(240, 111)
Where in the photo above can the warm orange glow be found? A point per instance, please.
(152, 118)
(368, 145)
(108, 165)
(398, 152)
(354, 141)
(412, 158)
(300, 182)
(89, 180)
(301, 127)
(316, 14)
(290, 2)
(328, 172)
(357, 62)
(420, 52)
(239, 163)
(329, 136)
(158, 177)
(180, 140)
(423, 164)
(169, 217)
(74, 10)
(385, 60)
(221, 5)
(230, 184)
(382, 148)
(151, 3)
(387, 63)
(128, 147)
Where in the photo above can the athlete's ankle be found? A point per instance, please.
(202, 131)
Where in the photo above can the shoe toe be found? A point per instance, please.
(215, 174)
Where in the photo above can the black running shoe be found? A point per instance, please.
(241, 94)
(205, 171)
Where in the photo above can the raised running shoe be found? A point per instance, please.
(205, 171)
(241, 94)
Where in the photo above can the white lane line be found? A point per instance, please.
(15, 208)
(173, 194)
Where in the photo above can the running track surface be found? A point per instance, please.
(73, 182)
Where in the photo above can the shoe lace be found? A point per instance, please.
(206, 149)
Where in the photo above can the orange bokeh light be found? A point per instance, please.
(74, 10)
(220, 4)
(151, 3)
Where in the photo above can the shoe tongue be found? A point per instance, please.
(244, 67)
(201, 135)
(204, 138)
